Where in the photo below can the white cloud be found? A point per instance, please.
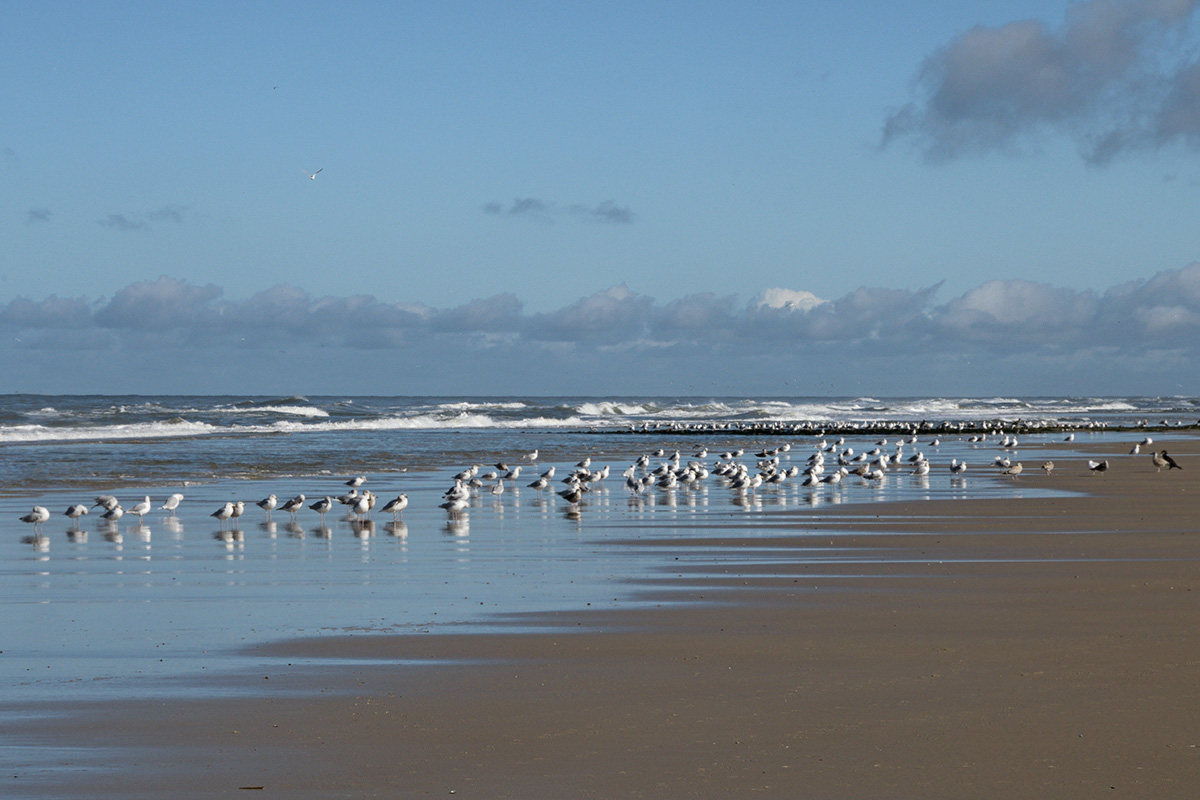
(787, 298)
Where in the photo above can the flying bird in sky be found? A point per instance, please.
(312, 176)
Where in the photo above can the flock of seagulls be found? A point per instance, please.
(828, 465)
(360, 505)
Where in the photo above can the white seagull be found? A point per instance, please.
(141, 509)
(312, 176)
(172, 503)
(294, 505)
(223, 513)
(268, 504)
(37, 516)
(74, 512)
(397, 505)
(322, 507)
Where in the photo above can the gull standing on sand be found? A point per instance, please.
(1014, 470)
(223, 513)
(397, 505)
(1048, 467)
(362, 506)
(141, 509)
(294, 505)
(36, 517)
(322, 507)
(172, 503)
(268, 504)
(454, 505)
(1098, 466)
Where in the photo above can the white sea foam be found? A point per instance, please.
(16, 434)
(297, 411)
(611, 408)
(480, 404)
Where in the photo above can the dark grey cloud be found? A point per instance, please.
(529, 207)
(1002, 327)
(608, 211)
(1116, 76)
(171, 212)
(37, 215)
(120, 222)
(549, 211)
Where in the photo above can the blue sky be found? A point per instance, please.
(697, 198)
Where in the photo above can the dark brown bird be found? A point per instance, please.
(1161, 459)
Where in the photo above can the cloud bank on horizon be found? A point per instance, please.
(1117, 77)
(620, 338)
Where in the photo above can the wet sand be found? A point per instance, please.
(942, 649)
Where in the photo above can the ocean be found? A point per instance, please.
(170, 603)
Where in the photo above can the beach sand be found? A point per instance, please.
(981, 648)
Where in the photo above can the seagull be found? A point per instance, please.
(361, 506)
(957, 467)
(268, 503)
(113, 514)
(239, 508)
(1161, 459)
(223, 513)
(37, 516)
(1014, 470)
(1048, 467)
(141, 509)
(172, 503)
(312, 176)
(322, 507)
(572, 495)
(397, 505)
(107, 501)
(1137, 448)
(294, 505)
(531, 457)
(1098, 466)
(354, 483)
(454, 505)
(74, 512)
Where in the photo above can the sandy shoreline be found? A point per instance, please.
(982, 648)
